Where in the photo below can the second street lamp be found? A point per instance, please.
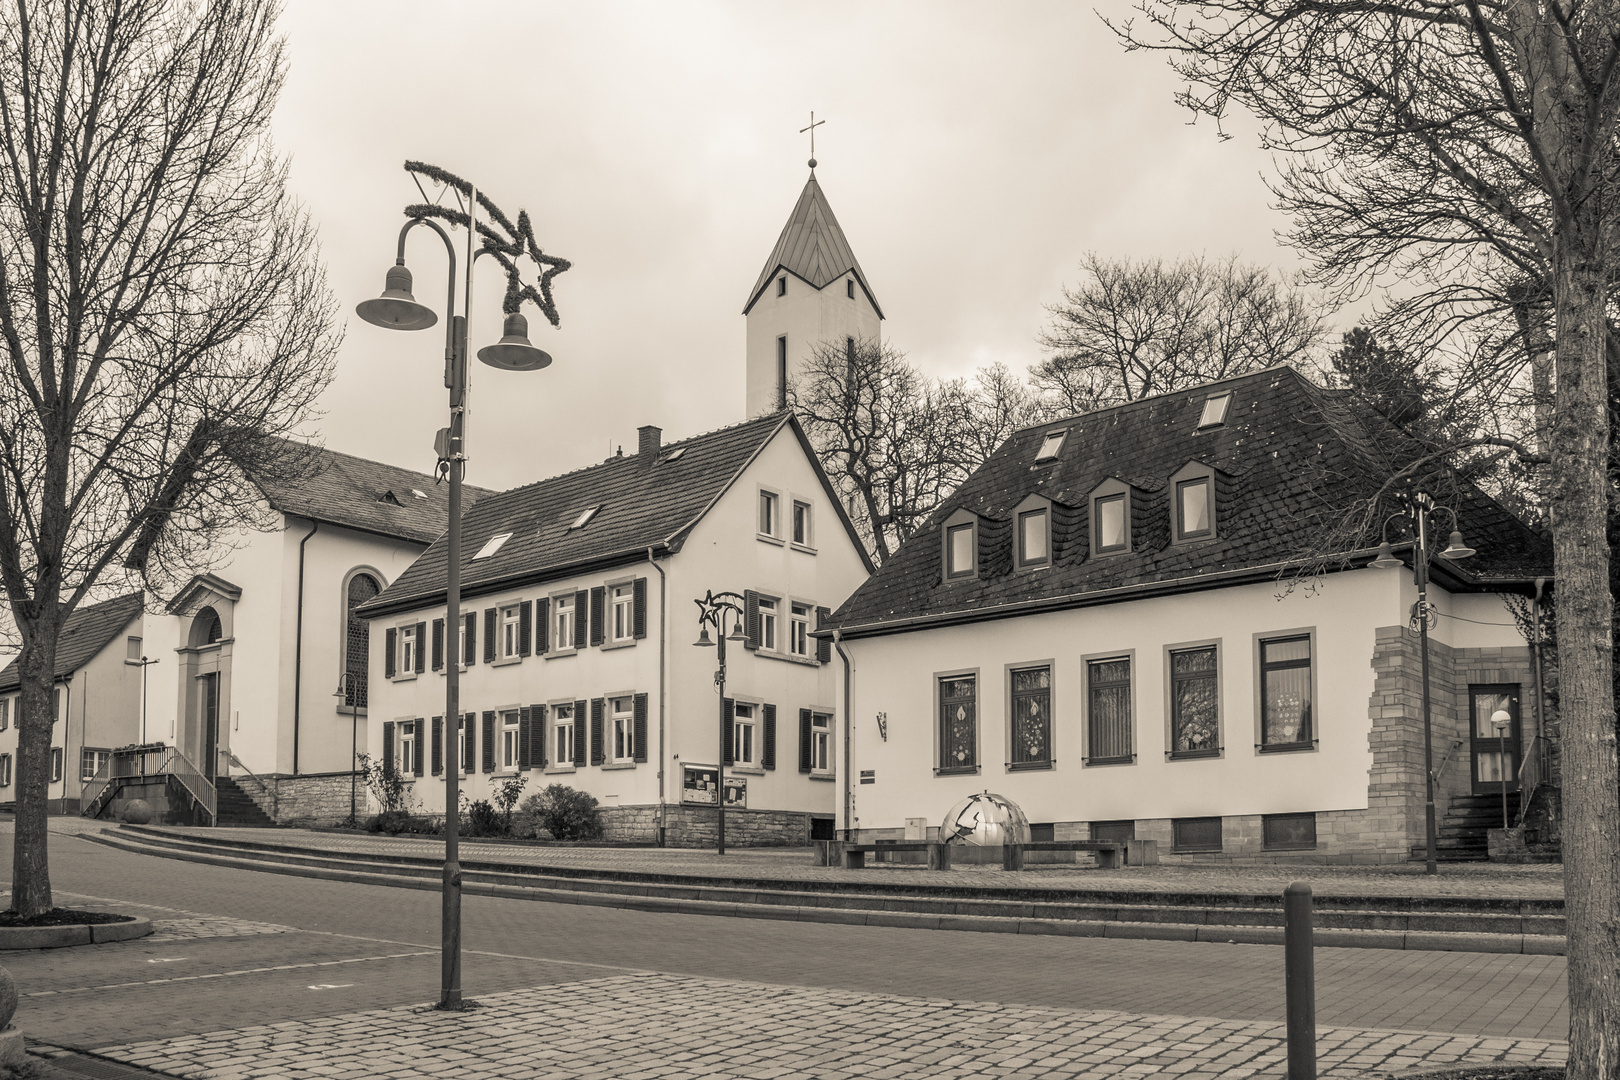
(716, 609)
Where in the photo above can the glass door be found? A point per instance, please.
(1495, 748)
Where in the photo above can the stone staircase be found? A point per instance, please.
(237, 808)
(1461, 835)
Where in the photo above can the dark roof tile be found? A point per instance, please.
(87, 632)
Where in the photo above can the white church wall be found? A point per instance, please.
(807, 316)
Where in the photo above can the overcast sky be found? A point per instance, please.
(972, 154)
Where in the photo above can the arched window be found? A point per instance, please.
(205, 628)
(357, 640)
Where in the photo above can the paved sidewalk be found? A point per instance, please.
(667, 1027)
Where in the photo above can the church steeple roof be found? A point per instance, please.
(812, 247)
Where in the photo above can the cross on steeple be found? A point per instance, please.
(814, 123)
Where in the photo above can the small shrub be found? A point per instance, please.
(564, 813)
(483, 819)
(506, 798)
(384, 781)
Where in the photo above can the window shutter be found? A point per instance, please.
(470, 649)
(641, 726)
(751, 618)
(638, 596)
(598, 706)
(489, 740)
(525, 627)
(523, 733)
(598, 619)
(579, 733)
(438, 745)
(421, 653)
(767, 755)
(728, 727)
(542, 627)
(582, 600)
(388, 740)
(390, 644)
(421, 737)
(438, 644)
(537, 736)
(804, 740)
(469, 749)
(823, 645)
(489, 635)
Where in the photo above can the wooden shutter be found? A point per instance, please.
(470, 646)
(751, 618)
(638, 596)
(390, 644)
(388, 740)
(598, 619)
(542, 627)
(728, 736)
(537, 736)
(641, 726)
(579, 732)
(421, 740)
(489, 635)
(804, 740)
(469, 749)
(438, 645)
(489, 740)
(523, 733)
(767, 756)
(525, 627)
(598, 749)
(582, 601)
(823, 645)
(438, 745)
(421, 653)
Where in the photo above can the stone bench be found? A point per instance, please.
(853, 856)
(1111, 854)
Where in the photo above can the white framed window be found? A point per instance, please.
(769, 614)
(510, 620)
(622, 727)
(562, 623)
(622, 616)
(407, 748)
(770, 514)
(91, 762)
(821, 743)
(1215, 409)
(1051, 445)
(745, 734)
(1034, 537)
(492, 545)
(508, 754)
(464, 734)
(562, 735)
(407, 650)
(799, 630)
(804, 534)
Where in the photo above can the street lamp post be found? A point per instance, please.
(716, 609)
(1416, 509)
(1500, 720)
(144, 663)
(397, 309)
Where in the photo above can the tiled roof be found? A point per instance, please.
(1280, 469)
(813, 247)
(87, 632)
(642, 505)
(356, 493)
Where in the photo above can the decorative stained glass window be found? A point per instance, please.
(1032, 716)
(357, 640)
(1285, 688)
(1194, 702)
(1108, 713)
(958, 724)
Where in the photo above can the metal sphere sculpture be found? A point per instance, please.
(985, 820)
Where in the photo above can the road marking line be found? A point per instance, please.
(330, 986)
(169, 960)
(225, 974)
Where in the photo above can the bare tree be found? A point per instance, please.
(162, 309)
(1452, 147)
(1132, 329)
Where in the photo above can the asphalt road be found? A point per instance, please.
(358, 947)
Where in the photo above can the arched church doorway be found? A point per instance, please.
(206, 670)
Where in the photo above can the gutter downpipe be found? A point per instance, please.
(849, 727)
(298, 643)
(663, 643)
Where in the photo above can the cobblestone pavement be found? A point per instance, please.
(1525, 881)
(665, 1027)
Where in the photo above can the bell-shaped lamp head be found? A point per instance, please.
(703, 641)
(737, 632)
(513, 352)
(396, 308)
(1456, 549)
(1386, 558)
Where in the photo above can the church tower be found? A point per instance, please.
(812, 290)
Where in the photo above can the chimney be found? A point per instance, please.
(649, 442)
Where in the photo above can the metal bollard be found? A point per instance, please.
(1300, 967)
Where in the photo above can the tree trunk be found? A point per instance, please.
(36, 716)
(1591, 775)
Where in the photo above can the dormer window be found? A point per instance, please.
(1111, 518)
(961, 546)
(1033, 518)
(493, 545)
(781, 285)
(1193, 509)
(1215, 409)
(1051, 445)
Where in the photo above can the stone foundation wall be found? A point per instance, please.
(697, 826)
(306, 799)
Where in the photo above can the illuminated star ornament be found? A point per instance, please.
(502, 239)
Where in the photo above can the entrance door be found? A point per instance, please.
(1495, 750)
(210, 725)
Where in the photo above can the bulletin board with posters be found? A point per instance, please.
(698, 787)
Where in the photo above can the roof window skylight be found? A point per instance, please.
(493, 545)
(1215, 407)
(674, 455)
(418, 493)
(584, 518)
(1051, 445)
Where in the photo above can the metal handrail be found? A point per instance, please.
(1527, 788)
(153, 759)
(91, 792)
(198, 786)
(1444, 758)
